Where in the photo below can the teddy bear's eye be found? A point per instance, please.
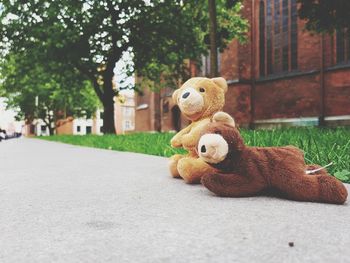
(217, 132)
(202, 90)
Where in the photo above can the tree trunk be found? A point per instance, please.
(108, 102)
(157, 112)
(51, 130)
(212, 36)
(108, 117)
(50, 124)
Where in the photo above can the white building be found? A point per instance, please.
(7, 119)
(91, 125)
(81, 126)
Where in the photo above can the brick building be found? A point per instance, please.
(155, 111)
(124, 119)
(283, 74)
(124, 113)
(90, 124)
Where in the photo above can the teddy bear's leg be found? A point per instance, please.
(317, 188)
(173, 165)
(232, 185)
(192, 169)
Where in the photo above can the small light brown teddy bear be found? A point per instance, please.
(247, 171)
(198, 99)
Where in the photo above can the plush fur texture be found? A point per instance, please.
(198, 99)
(247, 171)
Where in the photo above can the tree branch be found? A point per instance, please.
(116, 51)
(114, 18)
(93, 79)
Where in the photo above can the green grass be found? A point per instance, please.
(149, 143)
(321, 146)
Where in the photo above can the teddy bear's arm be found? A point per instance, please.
(176, 141)
(232, 185)
(190, 139)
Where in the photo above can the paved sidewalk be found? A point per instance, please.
(62, 203)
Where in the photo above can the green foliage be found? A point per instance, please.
(325, 15)
(321, 146)
(343, 175)
(40, 92)
(166, 67)
(92, 34)
(231, 25)
(87, 38)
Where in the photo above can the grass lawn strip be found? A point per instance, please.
(321, 146)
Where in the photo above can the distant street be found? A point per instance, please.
(62, 203)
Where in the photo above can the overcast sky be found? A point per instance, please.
(119, 72)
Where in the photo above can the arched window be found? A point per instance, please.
(294, 35)
(342, 46)
(278, 36)
(269, 36)
(285, 40)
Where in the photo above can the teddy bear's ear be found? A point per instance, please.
(175, 95)
(221, 82)
(223, 117)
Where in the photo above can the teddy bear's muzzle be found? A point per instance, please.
(208, 152)
(212, 148)
(191, 101)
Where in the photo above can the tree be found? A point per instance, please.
(225, 23)
(162, 64)
(212, 34)
(324, 15)
(91, 36)
(39, 94)
(166, 67)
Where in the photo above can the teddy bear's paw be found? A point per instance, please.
(173, 169)
(192, 179)
(212, 183)
(173, 161)
(188, 171)
(331, 190)
(206, 180)
(175, 143)
(224, 118)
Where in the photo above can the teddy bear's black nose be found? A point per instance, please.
(203, 149)
(184, 96)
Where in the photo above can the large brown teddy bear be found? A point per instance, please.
(198, 99)
(246, 171)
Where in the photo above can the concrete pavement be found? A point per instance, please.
(62, 203)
